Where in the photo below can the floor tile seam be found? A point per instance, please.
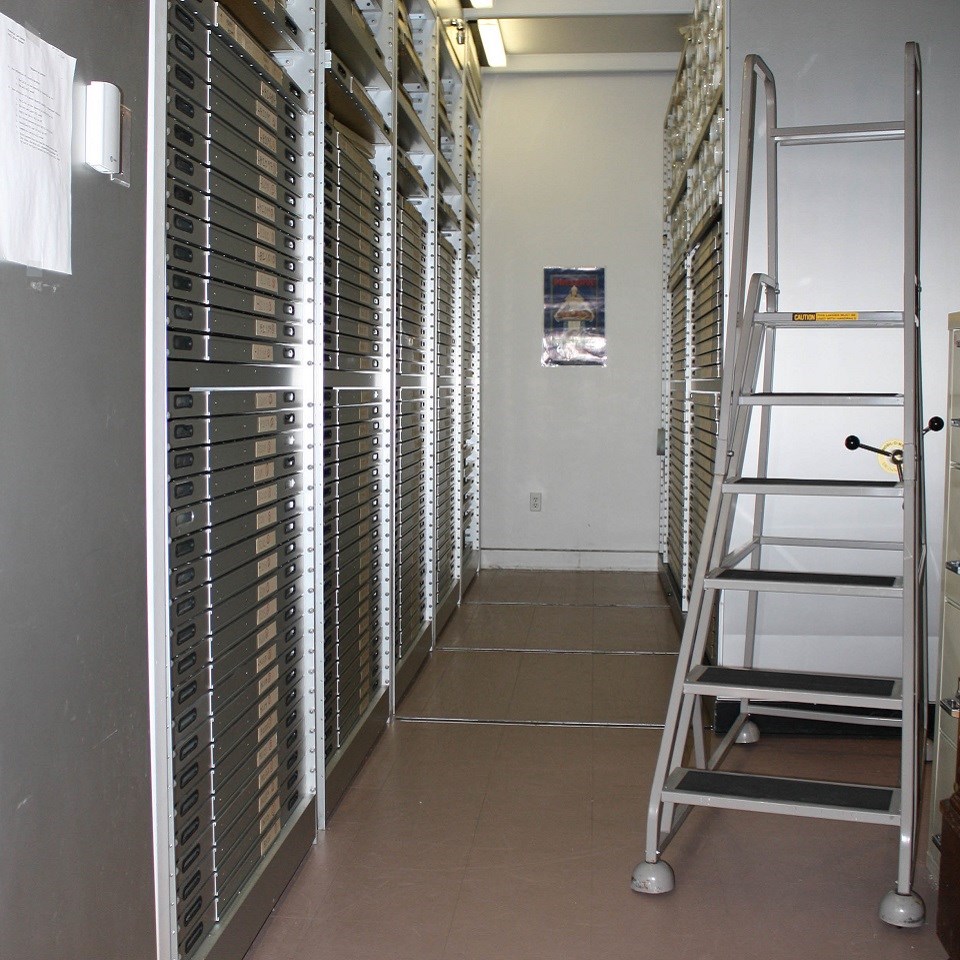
(556, 650)
(571, 724)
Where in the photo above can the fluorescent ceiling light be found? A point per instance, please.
(481, 4)
(492, 40)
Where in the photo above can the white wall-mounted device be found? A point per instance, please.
(103, 116)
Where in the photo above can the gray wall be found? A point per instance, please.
(572, 172)
(76, 849)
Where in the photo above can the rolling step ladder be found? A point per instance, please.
(685, 776)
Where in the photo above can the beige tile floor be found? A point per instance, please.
(514, 838)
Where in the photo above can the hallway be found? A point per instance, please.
(500, 815)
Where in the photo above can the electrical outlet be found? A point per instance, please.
(536, 502)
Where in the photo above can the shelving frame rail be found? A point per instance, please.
(749, 394)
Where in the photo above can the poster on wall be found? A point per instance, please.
(574, 322)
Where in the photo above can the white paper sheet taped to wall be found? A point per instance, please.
(36, 125)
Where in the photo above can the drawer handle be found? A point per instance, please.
(953, 566)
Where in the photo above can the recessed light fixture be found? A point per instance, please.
(481, 4)
(492, 40)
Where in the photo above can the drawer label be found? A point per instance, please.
(266, 588)
(261, 472)
(266, 635)
(266, 258)
(264, 659)
(267, 772)
(265, 612)
(268, 187)
(267, 424)
(268, 94)
(265, 448)
(269, 814)
(266, 328)
(267, 139)
(267, 494)
(267, 727)
(266, 210)
(267, 565)
(266, 234)
(266, 163)
(266, 749)
(261, 352)
(265, 400)
(268, 679)
(269, 838)
(268, 703)
(267, 281)
(268, 116)
(266, 518)
(265, 305)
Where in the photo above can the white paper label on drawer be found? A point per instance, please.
(266, 234)
(269, 814)
(261, 352)
(265, 400)
(269, 838)
(263, 661)
(267, 494)
(268, 771)
(264, 799)
(265, 589)
(267, 611)
(266, 635)
(264, 257)
(267, 281)
(267, 749)
(265, 448)
(266, 518)
(264, 471)
(266, 210)
(268, 679)
(266, 328)
(266, 163)
(268, 116)
(267, 727)
(265, 305)
(267, 139)
(268, 702)
(267, 565)
(268, 187)
(267, 424)
(268, 94)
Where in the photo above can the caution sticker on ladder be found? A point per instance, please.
(825, 317)
(884, 459)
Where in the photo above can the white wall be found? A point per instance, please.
(833, 63)
(572, 173)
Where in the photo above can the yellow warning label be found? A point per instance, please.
(825, 317)
(890, 446)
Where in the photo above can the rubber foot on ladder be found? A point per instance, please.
(749, 733)
(652, 877)
(902, 909)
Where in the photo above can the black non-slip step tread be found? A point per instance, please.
(745, 786)
(801, 577)
(804, 482)
(787, 680)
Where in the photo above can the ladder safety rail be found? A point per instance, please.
(682, 781)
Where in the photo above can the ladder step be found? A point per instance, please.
(868, 693)
(799, 798)
(853, 320)
(791, 581)
(822, 399)
(813, 488)
(838, 133)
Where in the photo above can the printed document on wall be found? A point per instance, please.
(36, 126)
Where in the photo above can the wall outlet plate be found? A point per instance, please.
(536, 502)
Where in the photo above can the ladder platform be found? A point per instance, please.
(838, 133)
(852, 320)
(803, 798)
(792, 581)
(868, 693)
(822, 399)
(789, 486)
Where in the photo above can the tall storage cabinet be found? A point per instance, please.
(692, 294)
(321, 258)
